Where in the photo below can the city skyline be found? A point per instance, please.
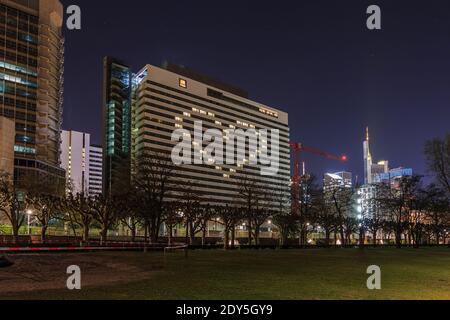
(346, 87)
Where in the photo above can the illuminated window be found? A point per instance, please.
(186, 114)
(178, 119)
(218, 123)
(183, 83)
(211, 114)
(178, 126)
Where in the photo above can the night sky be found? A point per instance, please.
(312, 58)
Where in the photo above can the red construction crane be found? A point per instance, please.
(297, 149)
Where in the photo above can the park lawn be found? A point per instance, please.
(280, 275)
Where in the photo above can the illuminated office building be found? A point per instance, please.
(31, 83)
(117, 83)
(82, 162)
(173, 97)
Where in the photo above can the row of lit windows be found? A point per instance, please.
(269, 112)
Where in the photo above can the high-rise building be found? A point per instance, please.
(82, 162)
(95, 170)
(75, 160)
(117, 85)
(371, 169)
(338, 180)
(31, 82)
(375, 175)
(367, 160)
(173, 97)
(7, 137)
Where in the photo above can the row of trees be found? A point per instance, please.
(409, 212)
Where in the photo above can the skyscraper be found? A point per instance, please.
(82, 162)
(7, 137)
(95, 170)
(174, 97)
(338, 180)
(117, 85)
(371, 169)
(367, 160)
(31, 83)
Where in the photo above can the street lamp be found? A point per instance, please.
(29, 213)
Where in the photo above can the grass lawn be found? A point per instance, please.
(291, 275)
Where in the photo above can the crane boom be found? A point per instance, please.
(297, 148)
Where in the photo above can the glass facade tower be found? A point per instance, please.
(117, 88)
(31, 83)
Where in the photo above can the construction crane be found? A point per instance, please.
(297, 149)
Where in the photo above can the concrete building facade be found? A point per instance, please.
(31, 82)
(172, 97)
(82, 163)
(7, 137)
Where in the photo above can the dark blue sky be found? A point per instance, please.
(312, 58)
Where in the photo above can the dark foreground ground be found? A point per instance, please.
(238, 275)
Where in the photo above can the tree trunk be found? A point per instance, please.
(133, 233)
(170, 235)
(187, 233)
(15, 231)
(362, 238)
(44, 234)
(226, 239)
(257, 231)
(85, 233)
(398, 239)
(249, 229)
(327, 237)
(204, 237)
(103, 235)
(233, 237)
(191, 234)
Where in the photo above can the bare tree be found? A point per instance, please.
(325, 216)
(229, 218)
(12, 204)
(398, 201)
(283, 217)
(105, 212)
(44, 198)
(437, 152)
(153, 178)
(191, 206)
(308, 190)
(340, 200)
(172, 217)
(79, 212)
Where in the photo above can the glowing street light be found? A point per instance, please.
(29, 213)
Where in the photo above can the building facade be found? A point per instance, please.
(31, 83)
(338, 180)
(82, 162)
(376, 175)
(175, 98)
(7, 137)
(117, 86)
(95, 170)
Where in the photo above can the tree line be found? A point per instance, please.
(410, 212)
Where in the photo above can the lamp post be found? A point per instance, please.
(29, 213)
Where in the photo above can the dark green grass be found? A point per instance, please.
(291, 275)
